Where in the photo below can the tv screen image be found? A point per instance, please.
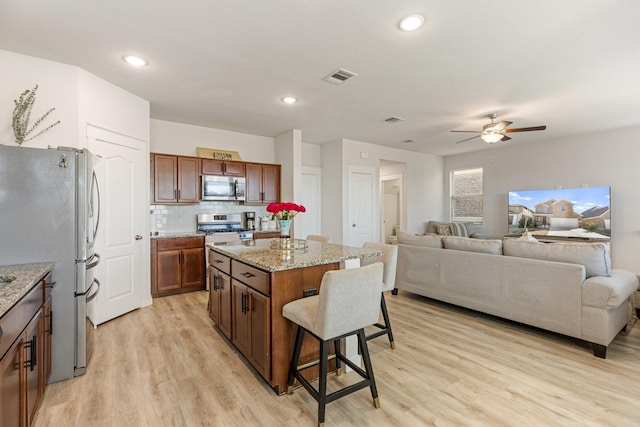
(581, 213)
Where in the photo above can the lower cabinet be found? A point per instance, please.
(25, 365)
(177, 265)
(220, 300)
(250, 326)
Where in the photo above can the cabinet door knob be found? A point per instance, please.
(138, 237)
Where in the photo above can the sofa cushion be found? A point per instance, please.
(427, 241)
(489, 246)
(595, 257)
(459, 229)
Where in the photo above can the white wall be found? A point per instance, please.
(179, 138)
(57, 88)
(604, 159)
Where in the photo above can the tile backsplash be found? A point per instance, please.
(181, 218)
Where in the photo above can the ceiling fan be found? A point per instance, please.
(494, 132)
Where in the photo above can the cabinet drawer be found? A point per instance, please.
(219, 261)
(251, 276)
(180, 243)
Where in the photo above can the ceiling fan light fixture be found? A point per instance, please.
(411, 22)
(491, 138)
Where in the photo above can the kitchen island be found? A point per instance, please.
(251, 282)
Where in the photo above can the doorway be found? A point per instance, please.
(391, 212)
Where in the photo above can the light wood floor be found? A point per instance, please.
(165, 365)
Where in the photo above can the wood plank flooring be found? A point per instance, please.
(165, 365)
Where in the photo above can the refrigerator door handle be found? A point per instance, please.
(93, 295)
(94, 183)
(93, 261)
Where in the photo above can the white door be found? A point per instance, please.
(122, 237)
(309, 222)
(362, 215)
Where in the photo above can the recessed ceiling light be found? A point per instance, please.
(136, 61)
(411, 23)
(289, 100)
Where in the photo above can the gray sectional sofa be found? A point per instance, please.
(568, 288)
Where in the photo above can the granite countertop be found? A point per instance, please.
(27, 276)
(258, 253)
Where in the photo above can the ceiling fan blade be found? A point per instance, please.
(468, 139)
(505, 138)
(526, 129)
(465, 131)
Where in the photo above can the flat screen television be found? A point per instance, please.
(580, 213)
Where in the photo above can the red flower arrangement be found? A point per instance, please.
(284, 210)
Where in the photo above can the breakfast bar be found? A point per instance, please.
(251, 282)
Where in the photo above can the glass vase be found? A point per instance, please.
(285, 228)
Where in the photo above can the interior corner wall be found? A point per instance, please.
(57, 88)
(594, 160)
(288, 153)
(332, 177)
(183, 139)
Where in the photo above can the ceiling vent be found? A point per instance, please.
(409, 141)
(394, 119)
(339, 76)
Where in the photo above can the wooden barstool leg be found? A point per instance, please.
(364, 349)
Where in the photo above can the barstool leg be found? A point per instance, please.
(387, 323)
(322, 381)
(336, 347)
(364, 349)
(293, 367)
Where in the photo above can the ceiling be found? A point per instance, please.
(572, 65)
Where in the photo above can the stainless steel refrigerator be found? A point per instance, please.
(49, 211)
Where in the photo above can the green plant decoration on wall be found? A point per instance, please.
(22, 115)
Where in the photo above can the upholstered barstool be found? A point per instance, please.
(348, 301)
(389, 258)
(318, 238)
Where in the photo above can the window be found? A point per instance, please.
(466, 195)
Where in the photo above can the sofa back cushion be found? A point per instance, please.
(427, 241)
(595, 257)
(490, 246)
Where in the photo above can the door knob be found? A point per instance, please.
(138, 237)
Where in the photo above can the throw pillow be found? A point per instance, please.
(427, 241)
(443, 229)
(459, 229)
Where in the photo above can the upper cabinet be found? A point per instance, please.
(175, 178)
(263, 183)
(222, 167)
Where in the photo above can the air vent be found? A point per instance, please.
(409, 141)
(339, 76)
(393, 119)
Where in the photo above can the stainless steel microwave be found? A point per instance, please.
(215, 187)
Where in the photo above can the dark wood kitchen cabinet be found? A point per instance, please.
(251, 315)
(23, 366)
(220, 291)
(222, 167)
(262, 183)
(177, 265)
(175, 179)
